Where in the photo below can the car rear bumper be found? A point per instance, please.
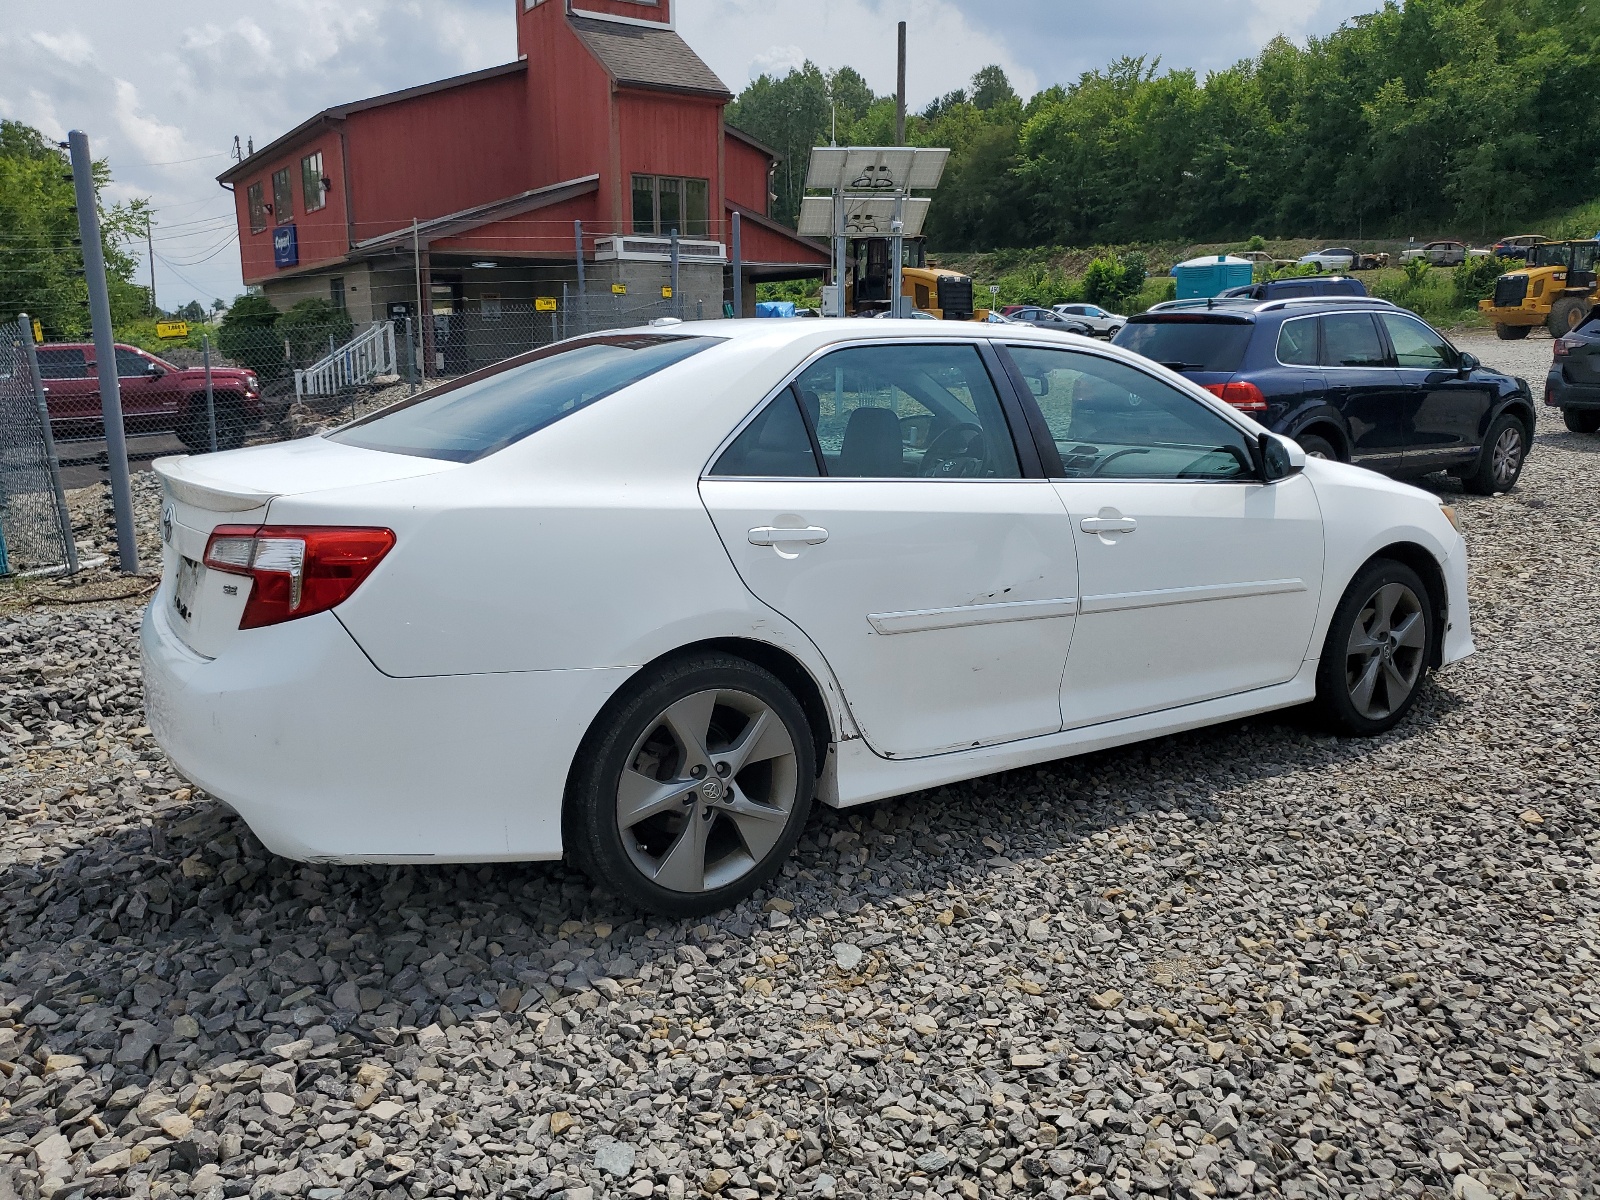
(1558, 393)
(328, 759)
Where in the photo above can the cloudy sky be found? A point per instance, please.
(164, 100)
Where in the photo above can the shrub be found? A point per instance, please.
(1474, 280)
(1416, 270)
(1256, 242)
(313, 327)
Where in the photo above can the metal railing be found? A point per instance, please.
(359, 361)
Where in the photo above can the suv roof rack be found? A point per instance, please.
(1287, 301)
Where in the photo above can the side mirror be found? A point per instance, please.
(155, 370)
(1467, 362)
(1279, 457)
(1039, 385)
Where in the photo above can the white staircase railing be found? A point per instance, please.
(367, 355)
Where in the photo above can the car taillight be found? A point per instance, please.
(1563, 347)
(296, 570)
(1246, 397)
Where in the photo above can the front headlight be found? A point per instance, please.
(1450, 515)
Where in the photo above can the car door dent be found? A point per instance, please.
(962, 616)
(1160, 597)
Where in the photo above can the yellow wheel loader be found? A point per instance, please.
(869, 278)
(1555, 289)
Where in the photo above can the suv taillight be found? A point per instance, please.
(1562, 347)
(296, 570)
(1246, 397)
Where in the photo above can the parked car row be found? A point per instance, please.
(1354, 379)
(157, 397)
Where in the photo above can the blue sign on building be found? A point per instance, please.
(285, 247)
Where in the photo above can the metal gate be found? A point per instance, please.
(35, 530)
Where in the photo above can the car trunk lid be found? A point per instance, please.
(203, 606)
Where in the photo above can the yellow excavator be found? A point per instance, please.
(869, 279)
(1555, 289)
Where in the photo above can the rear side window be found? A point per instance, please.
(479, 415)
(62, 364)
(1297, 342)
(1189, 344)
(773, 446)
(1351, 340)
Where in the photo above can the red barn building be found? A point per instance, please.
(464, 193)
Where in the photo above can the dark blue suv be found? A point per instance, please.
(1349, 378)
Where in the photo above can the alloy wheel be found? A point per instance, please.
(707, 791)
(1384, 657)
(1506, 457)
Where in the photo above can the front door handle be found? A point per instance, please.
(766, 535)
(1109, 524)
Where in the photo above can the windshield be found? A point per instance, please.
(1551, 254)
(1188, 344)
(488, 411)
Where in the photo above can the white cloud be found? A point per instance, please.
(944, 45)
(70, 47)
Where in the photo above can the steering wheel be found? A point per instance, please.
(1105, 462)
(957, 452)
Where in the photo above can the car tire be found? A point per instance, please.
(232, 425)
(1500, 461)
(1378, 648)
(1565, 314)
(1512, 333)
(1318, 447)
(1581, 420)
(692, 787)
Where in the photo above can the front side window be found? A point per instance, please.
(1297, 342)
(311, 189)
(62, 364)
(258, 207)
(1111, 421)
(1351, 340)
(488, 411)
(130, 363)
(282, 197)
(1417, 346)
(894, 412)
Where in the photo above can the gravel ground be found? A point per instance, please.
(1245, 960)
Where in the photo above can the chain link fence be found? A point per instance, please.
(35, 530)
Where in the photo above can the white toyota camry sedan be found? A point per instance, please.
(639, 598)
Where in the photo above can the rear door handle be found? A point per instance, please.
(1109, 525)
(766, 535)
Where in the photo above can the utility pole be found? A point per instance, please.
(738, 270)
(900, 92)
(105, 352)
(150, 257)
(416, 262)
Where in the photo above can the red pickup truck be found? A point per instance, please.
(156, 396)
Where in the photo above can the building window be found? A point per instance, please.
(311, 187)
(258, 207)
(282, 197)
(662, 203)
(336, 291)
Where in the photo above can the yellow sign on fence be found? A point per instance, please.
(544, 304)
(666, 293)
(172, 329)
(619, 289)
(38, 331)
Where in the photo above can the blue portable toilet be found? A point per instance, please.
(775, 308)
(1211, 275)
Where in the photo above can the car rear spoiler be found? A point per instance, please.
(179, 478)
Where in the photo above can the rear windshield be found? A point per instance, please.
(1187, 343)
(478, 415)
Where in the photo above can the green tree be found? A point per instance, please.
(991, 89)
(791, 114)
(41, 263)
